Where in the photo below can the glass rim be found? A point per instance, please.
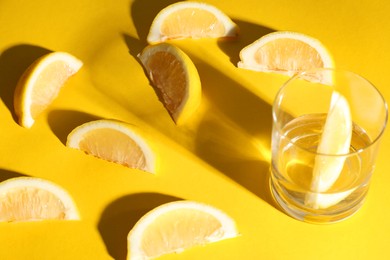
(299, 75)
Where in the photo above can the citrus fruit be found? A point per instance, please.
(113, 141)
(176, 226)
(175, 79)
(40, 84)
(285, 53)
(188, 19)
(30, 198)
(335, 140)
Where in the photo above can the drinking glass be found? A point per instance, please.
(329, 184)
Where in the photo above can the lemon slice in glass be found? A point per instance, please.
(335, 142)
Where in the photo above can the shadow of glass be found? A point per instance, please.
(237, 154)
(228, 97)
(13, 62)
(143, 13)
(249, 32)
(7, 174)
(234, 135)
(62, 122)
(121, 215)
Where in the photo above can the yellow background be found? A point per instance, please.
(221, 157)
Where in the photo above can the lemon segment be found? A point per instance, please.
(335, 141)
(325, 200)
(286, 53)
(176, 226)
(114, 141)
(175, 78)
(190, 20)
(30, 198)
(40, 84)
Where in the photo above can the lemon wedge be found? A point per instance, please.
(189, 19)
(176, 226)
(286, 53)
(31, 198)
(175, 78)
(40, 84)
(114, 141)
(335, 141)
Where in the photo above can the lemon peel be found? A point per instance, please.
(114, 141)
(41, 83)
(176, 226)
(285, 52)
(31, 198)
(175, 78)
(189, 19)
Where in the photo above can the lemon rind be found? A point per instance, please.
(130, 130)
(192, 99)
(71, 211)
(155, 35)
(25, 86)
(228, 225)
(247, 53)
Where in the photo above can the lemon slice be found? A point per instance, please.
(286, 53)
(188, 19)
(175, 78)
(113, 141)
(176, 226)
(30, 198)
(40, 84)
(335, 140)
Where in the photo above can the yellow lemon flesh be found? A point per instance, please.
(114, 141)
(191, 20)
(175, 78)
(335, 141)
(40, 84)
(286, 53)
(29, 199)
(176, 226)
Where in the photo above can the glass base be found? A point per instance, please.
(310, 216)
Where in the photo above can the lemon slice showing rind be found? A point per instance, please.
(286, 53)
(189, 19)
(41, 83)
(31, 198)
(175, 79)
(114, 141)
(333, 147)
(176, 226)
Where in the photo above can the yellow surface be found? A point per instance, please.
(221, 157)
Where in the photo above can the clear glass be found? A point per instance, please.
(299, 113)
